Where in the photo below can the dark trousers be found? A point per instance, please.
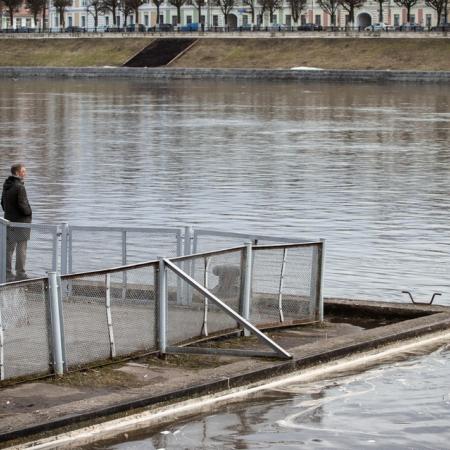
(20, 247)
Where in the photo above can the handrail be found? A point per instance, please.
(245, 323)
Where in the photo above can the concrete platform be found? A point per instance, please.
(37, 409)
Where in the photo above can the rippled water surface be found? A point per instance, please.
(398, 405)
(364, 166)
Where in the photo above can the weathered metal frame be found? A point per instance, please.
(277, 350)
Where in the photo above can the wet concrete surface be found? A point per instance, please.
(38, 407)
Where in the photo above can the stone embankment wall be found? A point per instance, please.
(226, 74)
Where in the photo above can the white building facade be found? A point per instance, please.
(79, 15)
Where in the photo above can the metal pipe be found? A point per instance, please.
(321, 269)
(2, 354)
(112, 344)
(57, 350)
(247, 289)
(124, 263)
(205, 308)
(162, 306)
(280, 287)
(3, 244)
(245, 323)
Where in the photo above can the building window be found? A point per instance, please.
(347, 19)
(428, 20)
(56, 22)
(161, 18)
(245, 19)
(146, 20)
(275, 18)
(413, 18)
(396, 20)
(118, 21)
(18, 22)
(318, 19)
(107, 20)
(288, 20)
(215, 21)
(303, 19)
(174, 20)
(83, 21)
(132, 20)
(188, 19)
(202, 19)
(70, 21)
(83, 3)
(259, 19)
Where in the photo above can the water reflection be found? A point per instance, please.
(364, 166)
(397, 405)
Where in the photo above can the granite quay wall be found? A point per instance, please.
(365, 76)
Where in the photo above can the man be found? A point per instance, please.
(17, 209)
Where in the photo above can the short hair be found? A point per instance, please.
(15, 168)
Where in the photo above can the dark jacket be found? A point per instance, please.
(16, 206)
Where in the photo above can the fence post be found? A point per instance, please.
(64, 238)
(247, 288)
(124, 263)
(186, 298)
(3, 244)
(162, 307)
(2, 354)
(55, 317)
(319, 291)
(112, 344)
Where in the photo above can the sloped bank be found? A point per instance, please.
(364, 76)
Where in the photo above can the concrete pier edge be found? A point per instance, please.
(162, 73)
(416, 321)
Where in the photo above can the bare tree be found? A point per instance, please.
(178, 4)
(60, 6)
(350, 6)
(112, 6)
(134, 5)
(199, 4)
(438, 6)
(95, 8)
(380, 9)
(330, 7)
(36, 7)
(226, 6)
(12, 6)
(297, 6)
(271, 6)
(252, 5)
(158, 4)
(126, 9)
(408, 4)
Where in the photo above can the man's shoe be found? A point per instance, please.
(24, 276)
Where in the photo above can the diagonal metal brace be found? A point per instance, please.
(245, 323)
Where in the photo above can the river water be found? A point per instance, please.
(364, 166)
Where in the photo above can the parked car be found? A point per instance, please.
(114, 30)
(410, 27)
(72, 29)
(310, 27)
(165, 27)
(442, 27)
(379, 26)
(191, 27)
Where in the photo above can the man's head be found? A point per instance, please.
(19, 170)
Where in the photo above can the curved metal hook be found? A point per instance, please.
(421, 303)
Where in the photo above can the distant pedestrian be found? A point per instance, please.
(17, 209)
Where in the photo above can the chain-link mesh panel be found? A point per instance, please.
(31, 250)
(94, 248)
(85, 319)
(283, 284)
(24, 323)
(133, 310)
(189, 313)
(149, 245)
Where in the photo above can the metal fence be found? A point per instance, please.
(50, 325)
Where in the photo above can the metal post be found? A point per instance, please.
(70, 252)
(3, 244)
(321, 269)
(112, 344)
(179, 283)
(162, 307)
(54, 250)
(55, 314)
(280, 287)
(247, 289)
(187, 265)
(124, 263)
(205, 308)
(64, 238)
(2, 354)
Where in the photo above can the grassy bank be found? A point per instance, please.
(395, 54)
(68, 52)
